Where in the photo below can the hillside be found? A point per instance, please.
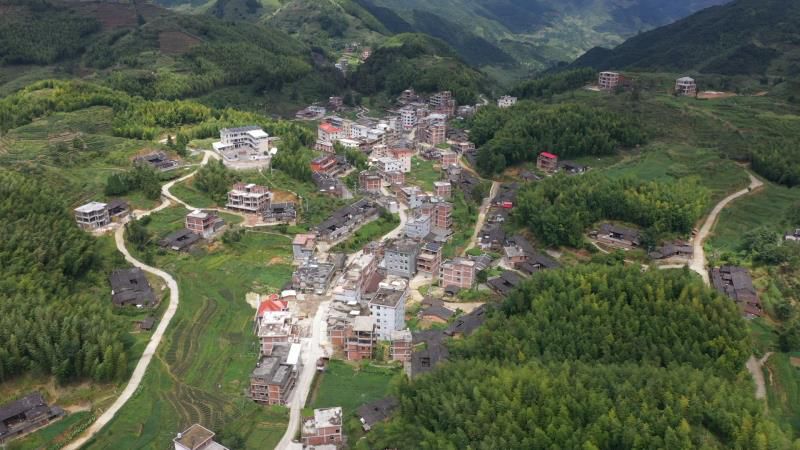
(536, 33)
(746, 37)
(156, 53)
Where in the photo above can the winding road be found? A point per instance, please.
(155, 339)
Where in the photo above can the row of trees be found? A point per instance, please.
(53, 318)
(560, 209)
(778, 161)
(592, 357)
(557, 83)
(510, 136)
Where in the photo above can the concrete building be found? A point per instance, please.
(608, 81)
(401, 346)
(429, 258)
(324, 428)
(403, 155)
(345, 220)
(249, 198)
(197, 437)
(360, 339)
(443, 103)
(686, 86)
(324, 164)
(330, 133)
(387, 164)
(435, 134)
(408, 117)
(448, 158)
(370, 181)
(275, 327)
(355, 280)
(313, 276)
(204, 223)
(411, 196)
(303, 246)
(443, 189)
(92, 215)
(275, 375)
(400, 258)
(457, 272)
(388, 306)
(442, 218)
(547, 162)
(418, 227)
(506, 101)
(249, 144)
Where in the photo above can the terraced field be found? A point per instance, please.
(202, 368)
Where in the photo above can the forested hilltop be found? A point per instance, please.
(592, 357)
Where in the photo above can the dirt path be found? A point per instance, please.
(754, 366)
(698, 263)
(149, 351)
(487, 203)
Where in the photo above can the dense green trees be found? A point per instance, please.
(140, 178)
(53, 318)
(510, 136)
(559, 209)
(557, 83)
(215, 180)
(778, 161)
(592, 357)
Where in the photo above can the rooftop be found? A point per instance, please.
(364, 324)
(194, 437)
(240, 129)
(91, 207)
(387, 297)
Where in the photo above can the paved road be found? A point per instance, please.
(698, 263)
(754, 366)
(149, 351)
(485, 205)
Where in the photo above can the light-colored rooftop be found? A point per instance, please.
(91, 207)
(258, 134)
(364, 323)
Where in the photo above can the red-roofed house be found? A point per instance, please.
(329, 133)
(547, 162)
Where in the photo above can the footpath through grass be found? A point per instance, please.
(202, 367)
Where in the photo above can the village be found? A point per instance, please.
(398, 298)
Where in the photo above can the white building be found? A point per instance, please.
(387, 164)
(388, 307)
(92, 215)
(418, 227)
(245, 147)
(408, 117)
(686, 86)
(506, 101)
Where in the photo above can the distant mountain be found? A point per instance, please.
(746, 37)
(536, 33)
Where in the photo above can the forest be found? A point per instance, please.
(506, 137)
(777, 160)
(558, 210)
(557, 83)
(592, 357)
(53, 318)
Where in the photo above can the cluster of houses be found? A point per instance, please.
(737, 284)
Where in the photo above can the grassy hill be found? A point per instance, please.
(746, 37)
(156, 53)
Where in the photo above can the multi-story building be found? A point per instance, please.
(430, 258)
(404, 156)
(443, 189)
(313, 276)
(401, 346)
(608, 81)
(394, 178)
(547, 162)
(204, 223)
(400, 258)
(448, 158)
(360, 339)
(92, 215)
(442, 218)
(370, 181)
(443, 103)
(272, 380)
(249, 143)
(506, 101)
(686, 86)
(355, 280)
(388, 306)
(325, 428)
(327, 132)
(435, 133)
(411, 196)
(457, 272)
(249, 198)
(274, 327)
(303, 246)
(418, 227)
(408, 117)
(389, 165)
(326, 164)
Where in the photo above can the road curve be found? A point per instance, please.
(149, 351)
(698, 263)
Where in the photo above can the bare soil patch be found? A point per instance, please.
(176, 42)
(795, 361)
(714, 95)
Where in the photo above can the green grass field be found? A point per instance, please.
(55, 434)
(368, 233)
(348, 386)
(423, 174)
(191, 195)
(201, 371)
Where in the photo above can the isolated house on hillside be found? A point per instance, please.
(249, 198)
(737, 284)
(180, 240)
(129, 287)
(618, 236)
(25, 415)
(156, 160)
(608, 81)
(686, 86)
(547, 162)
(92, 215)
(204, 223)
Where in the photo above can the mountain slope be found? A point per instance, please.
(541, 32)
(746, 37)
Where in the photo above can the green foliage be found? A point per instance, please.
(778, 161)
(51, 319)
(559, 209)
(518, 134)
(42, 34)
(294, 159)
(215, 180)
(138, 234)
(141, 178)
(558, 83)
(420, 62)
(355, 157)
